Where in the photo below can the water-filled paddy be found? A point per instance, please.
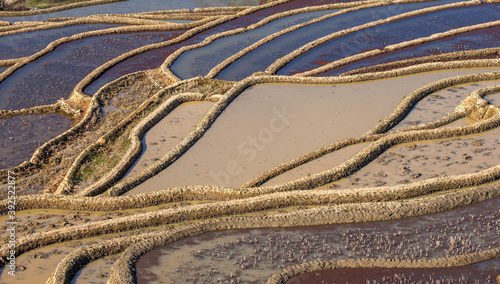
(154, 58)
(20, 136)
(264, 120)
(494, 99)
(263, 56)
(251, 256)
(484, 272)
(479, 39)
(167, 133)
(25, 44)
(439, 104)
(134, 6)
(392, 33)
(415, 162)
(55, 75)
(198, 62)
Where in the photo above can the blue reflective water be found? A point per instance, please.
(262, 57)
(25, 44)
(3, 69)
(198, 62)
(154, 58)
(55, 75)
(484, 38)
(392, 33)
(134, 6)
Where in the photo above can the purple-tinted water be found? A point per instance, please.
(20, 136)
(260, 58)
(134, 6)
(392, 33)
(25, 44)
(198, 62)
(484, 38)
(54, 75)
(154, 58)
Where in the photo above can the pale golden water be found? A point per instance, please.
(440, 103)
(167, 133)
(271, 124)
(414, 162)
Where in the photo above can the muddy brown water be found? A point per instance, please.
(264, 120)
(251, 256)
(21, 136)
(413, 162)
(167, 133)
(439, 104)
(494, 99)
(484, 272)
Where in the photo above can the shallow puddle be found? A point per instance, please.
(251, 256)
(250, 136)
(20, 136)
(200, 61)
(25, 44)
(167, 133)
(392, 33)
(414, 162)
(55, 75)
(263, 56)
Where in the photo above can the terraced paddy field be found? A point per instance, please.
(285, 141)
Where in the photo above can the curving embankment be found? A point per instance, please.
(136, 246)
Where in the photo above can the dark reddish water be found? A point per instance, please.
(484, 272)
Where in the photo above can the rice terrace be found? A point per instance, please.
(250, 141)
